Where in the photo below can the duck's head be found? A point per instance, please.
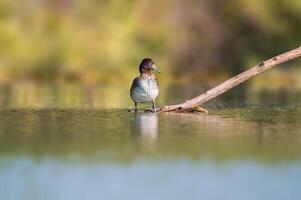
(147, 65)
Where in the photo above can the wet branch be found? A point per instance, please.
(193, 104)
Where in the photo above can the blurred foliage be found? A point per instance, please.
(100, 41)
(221, 37)
(74, 40)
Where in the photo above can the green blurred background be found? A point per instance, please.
(76, 53)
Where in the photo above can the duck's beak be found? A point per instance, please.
(156, 69)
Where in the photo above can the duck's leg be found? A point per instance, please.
(136, 107)
(154, 106)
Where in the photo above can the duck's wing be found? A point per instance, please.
(138, 90)
(135, 83)
(137, 86)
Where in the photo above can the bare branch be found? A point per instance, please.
(236, 80)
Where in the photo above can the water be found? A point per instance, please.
(252, 152)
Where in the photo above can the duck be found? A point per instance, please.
(145, 88)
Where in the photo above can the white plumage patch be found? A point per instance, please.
(145, 89)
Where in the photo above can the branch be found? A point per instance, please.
(236, 80)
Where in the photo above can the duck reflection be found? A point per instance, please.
(147, 127)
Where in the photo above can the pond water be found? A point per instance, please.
(251, 152)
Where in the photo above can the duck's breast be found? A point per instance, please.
(153, 89)
(144, 90)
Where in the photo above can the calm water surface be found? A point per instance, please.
(245, 153)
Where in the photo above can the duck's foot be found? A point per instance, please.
(140, 111)
(149, 110)
(143, 111)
